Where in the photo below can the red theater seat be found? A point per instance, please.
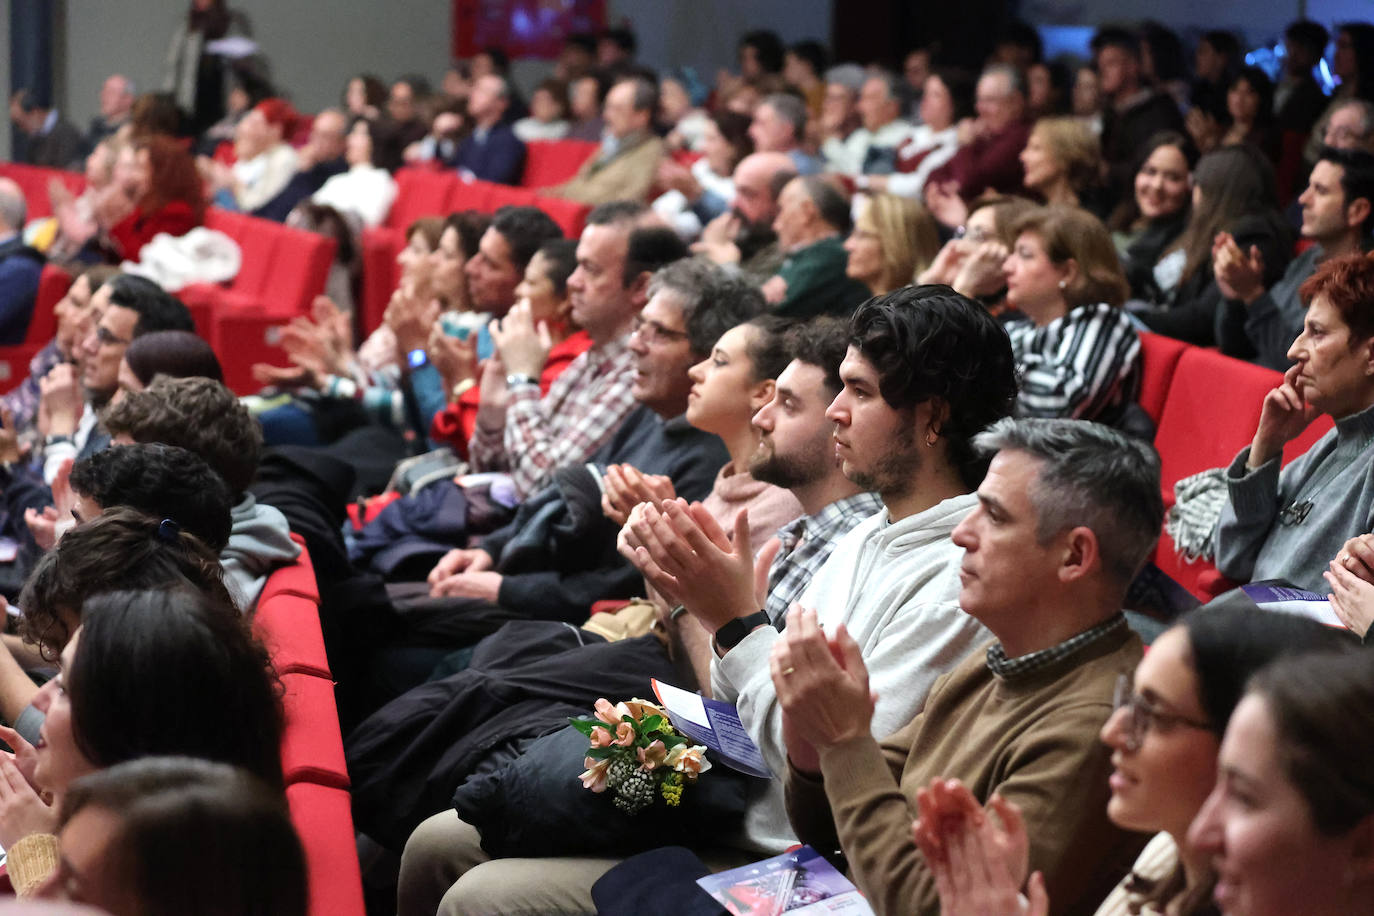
(1159, 357)
(312, 746)
(550, 162)
(33, 181)
(289, 626)
(323, 818)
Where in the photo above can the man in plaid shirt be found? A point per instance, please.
(528, 436)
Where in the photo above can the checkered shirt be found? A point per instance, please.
(806, 545)
(1036, 661)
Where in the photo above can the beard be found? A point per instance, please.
(753, 237)
(893, 473)
(791, 471)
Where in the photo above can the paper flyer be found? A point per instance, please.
(1275, 596)
(799, 882)
(714, 724)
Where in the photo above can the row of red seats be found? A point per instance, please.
(1205, 407)
(424, 192)
(312, 756)
(33, 180)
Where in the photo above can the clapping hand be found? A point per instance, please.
(1351, 577)
(822, 687)
(624, 486)
(523, 345)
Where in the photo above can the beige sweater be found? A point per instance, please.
(1032, 738)
(628, 175)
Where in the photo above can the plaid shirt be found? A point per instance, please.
(23, 401)
(1029, 664)
(806, 545)
(582, 410)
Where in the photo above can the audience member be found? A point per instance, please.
(203, 417)
(917, 67)
(491, 151)
(1250, 105)
(972, 262)
(680, 118)
(1165, 733)
(779, 126)
(1351, 126)
(401, 124)
(166, 193)
(1296, 745)
(1049, 90)
(694, 196)
(802, 68)
(1287, 524)
(116, 102)
(264, 161)
(365, 192)
(839, 114)
(20, 265)
(1216, 60)
(893, 240)
(193, 75)
(177, 354)
(164, 835)
(1353, 66)
(322, 158)
(364, 96)
(624, 166)
(745, 235)
(586, 95)
(990, 145)
(812, 217)
(1062, 162)
(1134, 111)
(527, 435)
(1162, 61)
(1148, 224)
(49, 140)
(1298, 98)
(872, 148)
(615, 48)
(1017, 44)
(1259, 321)
(1020, 720)
(548, 117)
(946, 100)
(1233, 193)
(1078, 353)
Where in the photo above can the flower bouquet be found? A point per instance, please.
(637, 754)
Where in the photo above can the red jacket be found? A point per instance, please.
(138, 228)
(453, 426)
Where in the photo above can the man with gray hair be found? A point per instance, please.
(1350, 126)
(20, 266)
(492, 152)
(872, 149)
(116, 101)
(1066, 516)
(779, 126)
(990, 145)
(627, 162)
(813, 216)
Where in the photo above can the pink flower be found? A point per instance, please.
(595, 776)
(653, 755)
(601, 737)
(611, 715)
(624, 734)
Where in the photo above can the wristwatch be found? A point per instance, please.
(733, 633)
(417, 358)
(518, 378)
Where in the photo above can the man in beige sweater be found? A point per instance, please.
(625, 165)
(1067, 513)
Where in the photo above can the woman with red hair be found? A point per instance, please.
(167, 193)
(264, 161)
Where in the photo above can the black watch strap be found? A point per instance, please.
(733, 633)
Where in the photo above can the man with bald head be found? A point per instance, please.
(320, 159)
(20, 266)
(116, 101)
(812, 220)
(744, 235)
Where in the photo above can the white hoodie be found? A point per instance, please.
(895, 587)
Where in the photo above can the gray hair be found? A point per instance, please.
(1366, 110)
(13, 208)
(790, 109)
(712, 299)
(1016, 83)
(850, 76)
(1090, 475)
(896, 89)
(830, 202)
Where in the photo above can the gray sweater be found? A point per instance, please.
(1289, 524)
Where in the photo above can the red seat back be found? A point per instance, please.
(550, 162)
(53, 284)
(1159, 357)
(33, 181)
(570, 215)
(323, 818)
(419, 193)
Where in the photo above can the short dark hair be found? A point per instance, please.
(173, 671)
(470, 226)
(1089, 475)
(196, 836)
(561, 257)
(814, 53)
(198, 414)
(1224, 43)
(711, 299)
(830, 203)
(768, 352)
(1023, 35)
(617, 211)
(1357, 176)
(163, 481)
(524, 229)
(930, 342)
(1116, 36)
(1311, 35)
(821, 342)
(158, 310)
(622, 38)
(768, 46)
(179, 354)
(645, 94)
(650, 248)
(121, 549)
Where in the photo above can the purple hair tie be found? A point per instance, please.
(168, 530)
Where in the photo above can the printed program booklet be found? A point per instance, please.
(714, 724)
(799, 882)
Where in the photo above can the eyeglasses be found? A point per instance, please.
(104, 335)
(972, 233)
(653, 332)
(1141, 717)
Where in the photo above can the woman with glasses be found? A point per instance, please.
(1165, 735)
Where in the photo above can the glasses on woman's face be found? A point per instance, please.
(972, 233)
(1142, 717)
